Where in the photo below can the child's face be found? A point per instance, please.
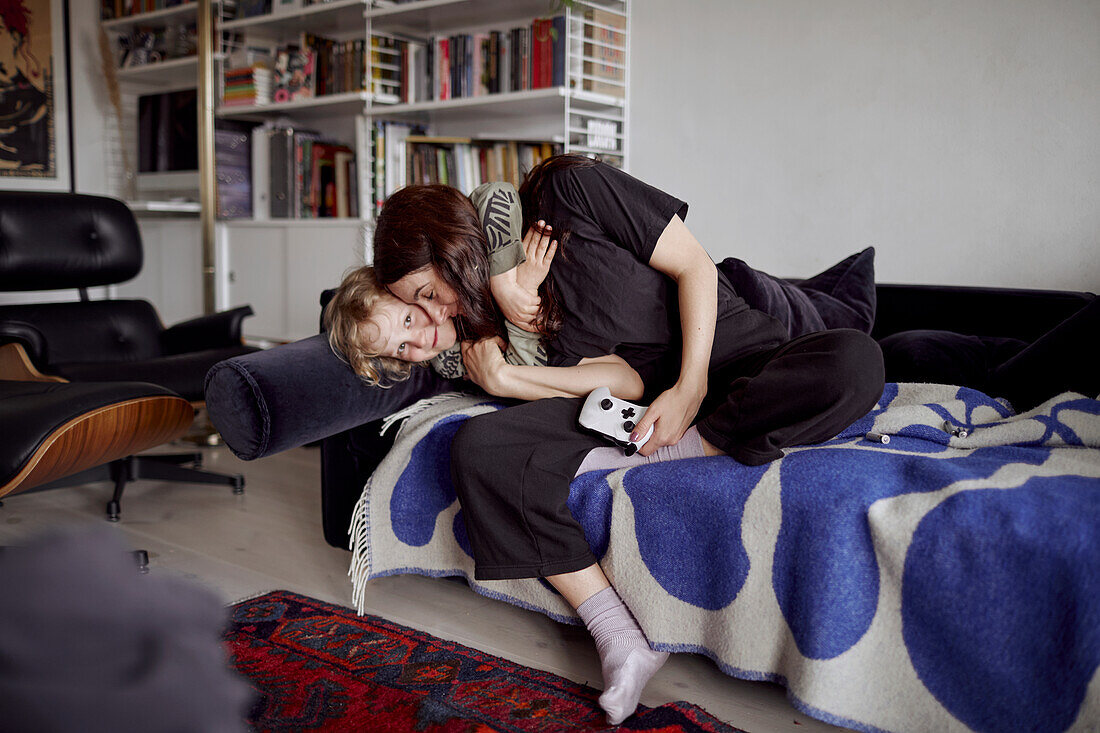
(405, 331)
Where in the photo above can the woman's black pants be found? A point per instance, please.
(512, 468)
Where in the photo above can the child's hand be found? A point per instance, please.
(540, 250)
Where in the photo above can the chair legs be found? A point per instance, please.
(155, 467)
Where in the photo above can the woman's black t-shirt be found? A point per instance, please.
(613, 301)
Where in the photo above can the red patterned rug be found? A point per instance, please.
(319, 667)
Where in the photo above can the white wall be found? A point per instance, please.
(961, 139)
(93, 136)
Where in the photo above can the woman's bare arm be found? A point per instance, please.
(679, 255)
(486, 367)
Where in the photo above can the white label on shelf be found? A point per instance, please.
(601, 134)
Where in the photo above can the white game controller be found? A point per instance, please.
(614, 418)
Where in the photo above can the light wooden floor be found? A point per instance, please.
(270, 538)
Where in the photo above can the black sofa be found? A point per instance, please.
(994, 339)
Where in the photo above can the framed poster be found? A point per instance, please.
(34, 111)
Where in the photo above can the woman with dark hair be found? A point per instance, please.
(629, 280)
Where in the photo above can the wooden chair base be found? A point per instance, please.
(101, 436)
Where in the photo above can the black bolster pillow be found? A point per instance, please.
(270, 401)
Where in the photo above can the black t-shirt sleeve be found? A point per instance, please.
(631, 213)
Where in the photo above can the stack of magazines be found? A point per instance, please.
(248, 86)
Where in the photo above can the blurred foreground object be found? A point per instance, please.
(88, 643)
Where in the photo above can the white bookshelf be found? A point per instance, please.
(558, 114)
(346, 103)
(165, 203)
(334, 17)
(174, 73)
(179, 14)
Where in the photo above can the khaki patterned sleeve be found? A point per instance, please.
(448, 364)
(501, 216)
(524, 348)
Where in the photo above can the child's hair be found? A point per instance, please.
(352, 304)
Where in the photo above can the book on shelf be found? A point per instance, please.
(340, 64)
(404, 155)
(298, 174)
(499, 60)
(294, 76)
(232, 159)
(604, 53)
(248, 86)
(261, 173)
(557, 51)
(386, 71)
(316, 66)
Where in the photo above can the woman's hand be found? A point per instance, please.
(670, 415)
(516, 291)
(485, 365)
(518, 305)
(540, 250)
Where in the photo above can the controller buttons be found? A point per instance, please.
(628, 426)
(630, 450)
(606, 404)
(628, 413)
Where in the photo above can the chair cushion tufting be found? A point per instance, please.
(181, 373)
(50, 241)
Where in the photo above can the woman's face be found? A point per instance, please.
(428, 290)
(405, 332)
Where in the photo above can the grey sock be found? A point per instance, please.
(625, 656)
(598, 459)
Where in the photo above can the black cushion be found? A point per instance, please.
(1018, 313)
(297, 393)
(50, 241)
(842, 296)
(205, 332)
(1061, 360)
(778, 298)
(37, 409)
(945, 357)
(181, 373)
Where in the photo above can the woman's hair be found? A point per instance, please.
(353, 304)
(422, 226)
(532, 196)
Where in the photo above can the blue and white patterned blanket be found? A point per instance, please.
(933, 583)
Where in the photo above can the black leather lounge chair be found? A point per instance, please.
(51, 241)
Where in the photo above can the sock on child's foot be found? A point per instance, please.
(598, 459)
(625, 656)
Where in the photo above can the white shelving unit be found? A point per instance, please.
(171, 274)
(280, 266)
(178, 14)
(154, 77)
